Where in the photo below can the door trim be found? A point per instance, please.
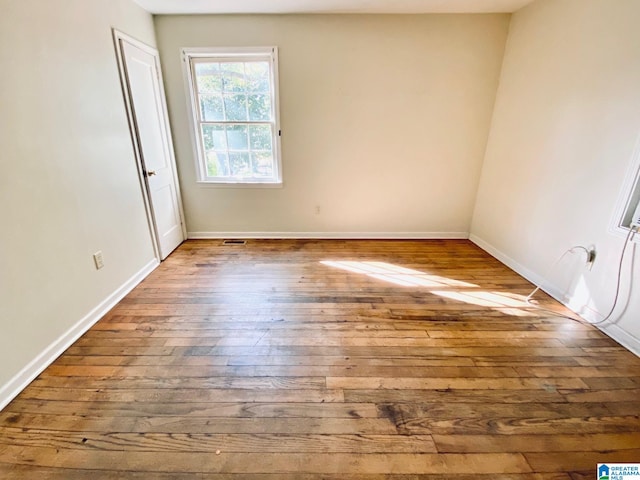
(118, 38)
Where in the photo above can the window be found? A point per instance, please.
(234, 104)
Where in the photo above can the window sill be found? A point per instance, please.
(239, 184)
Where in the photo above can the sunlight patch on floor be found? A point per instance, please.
(449, 288)
(402, 276)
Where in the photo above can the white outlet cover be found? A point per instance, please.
(98, 260)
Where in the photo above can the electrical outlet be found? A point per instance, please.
(317, 210)
(591, 257)
(98, 260)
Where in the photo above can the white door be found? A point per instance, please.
(148, 116)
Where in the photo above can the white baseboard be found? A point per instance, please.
(610, 329)
(517, 267)
(621, 336)
(25, 376)
(332, 235)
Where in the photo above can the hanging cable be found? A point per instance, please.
(528, 300)
(555, 264)
(630, 235)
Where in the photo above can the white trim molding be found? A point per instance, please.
(34, 368)
(517, 267)
(191, 57)
(331, 235)
(621, 336)
(628, 196)
(119, 39)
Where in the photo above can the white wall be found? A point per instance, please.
(566, 120)
(68, 185)
(384, 119)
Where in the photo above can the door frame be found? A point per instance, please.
(119, 37)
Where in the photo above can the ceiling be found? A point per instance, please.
(330, 6)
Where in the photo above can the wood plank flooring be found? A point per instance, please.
(308, 359)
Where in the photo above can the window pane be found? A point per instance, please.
(217, 164)
(208, 77)
(260, 137)
(235, 113)
(233, 77)
(237, 137)
(209, 68)
(257, 76)
(262, 164)
(240, 164)
(211, 108)
(235, 107)
(259, 108)
(214, 137)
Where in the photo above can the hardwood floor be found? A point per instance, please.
(347, 360)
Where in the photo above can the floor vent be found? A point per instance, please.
(234, 242)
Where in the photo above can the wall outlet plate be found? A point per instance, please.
(98, 260)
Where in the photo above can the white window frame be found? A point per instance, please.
(240, 54)
(628, 197)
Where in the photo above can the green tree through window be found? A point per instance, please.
(234, 106)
